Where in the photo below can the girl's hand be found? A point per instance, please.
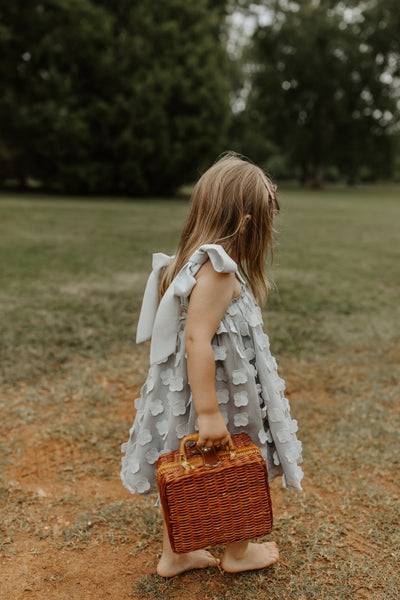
(212, 430)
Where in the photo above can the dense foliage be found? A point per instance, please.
(322, 89)
(105, 97)
(135, 98)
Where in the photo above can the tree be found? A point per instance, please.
(174, 97)
(111, 97)
(318, 91)
(57, 72)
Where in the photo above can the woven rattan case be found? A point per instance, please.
(215, 498)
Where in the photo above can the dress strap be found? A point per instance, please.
(160, 321)
(221, 261)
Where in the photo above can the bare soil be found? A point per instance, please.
(71, 531)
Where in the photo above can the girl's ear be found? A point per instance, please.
(245, 221)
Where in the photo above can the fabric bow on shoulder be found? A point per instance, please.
(159, 321)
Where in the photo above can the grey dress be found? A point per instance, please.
(249, 390)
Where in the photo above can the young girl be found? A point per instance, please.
(211, 368)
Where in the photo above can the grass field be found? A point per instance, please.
(72, 274)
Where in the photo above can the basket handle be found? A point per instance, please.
(193, 437)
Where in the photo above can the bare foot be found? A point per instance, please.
(255, 556)
(171, 565)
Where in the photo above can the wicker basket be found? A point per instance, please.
(217, 497)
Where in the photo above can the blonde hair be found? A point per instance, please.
(233, 204)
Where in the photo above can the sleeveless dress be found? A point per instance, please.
(249, 390)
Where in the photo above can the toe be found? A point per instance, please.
(211, 560)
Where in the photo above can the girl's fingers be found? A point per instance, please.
(206, 443)
(201, 442)
(209, 443)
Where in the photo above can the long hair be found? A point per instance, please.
(233, 204)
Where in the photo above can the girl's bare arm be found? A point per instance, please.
(208, 303)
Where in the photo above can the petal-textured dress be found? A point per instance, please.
(249, 390)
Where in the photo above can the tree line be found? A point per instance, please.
(324, 93)
(135, 98)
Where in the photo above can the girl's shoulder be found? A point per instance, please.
(213, 280)
(218, 282)
(216, 273)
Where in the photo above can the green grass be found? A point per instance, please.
(73, 272)
(337, 270)
(71, 280)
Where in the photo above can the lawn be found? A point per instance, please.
(72, 274)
